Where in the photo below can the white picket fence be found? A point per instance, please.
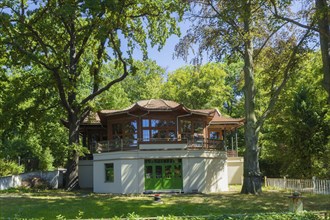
(313, 185)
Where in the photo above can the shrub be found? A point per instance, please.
(8, 168)
(35, 183)
(46, 160)
(273, 216)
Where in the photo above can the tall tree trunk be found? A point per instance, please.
(252, 180)
(71, 179)
(323, 11)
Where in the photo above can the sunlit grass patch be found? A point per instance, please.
(49, 204)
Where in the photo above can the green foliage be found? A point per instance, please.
(275, 216)
(30, 120)
(73, 40)
(199, 87)
(299, 128)
(46, 161)
(98, 206)
(8, 168)
(145, 83)
(70, 41)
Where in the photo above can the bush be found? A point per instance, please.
(46, 160)
(8, 168)
(35, 183)
(273, 216)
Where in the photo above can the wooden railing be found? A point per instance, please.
(134, 144)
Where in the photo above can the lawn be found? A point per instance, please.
(49, 204)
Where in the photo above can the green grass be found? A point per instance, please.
(49, 204)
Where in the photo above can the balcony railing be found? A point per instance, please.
(136, 144)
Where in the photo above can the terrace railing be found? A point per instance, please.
(133, 144)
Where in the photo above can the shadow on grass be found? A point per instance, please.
(106, 206)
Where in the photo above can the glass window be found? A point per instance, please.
(131, 127)
(155, 123)
(109, 172)
(145, 123)
(149, 172)
(186, 126)
(168, 171)
(124, 130)
(177, 170)
(198, 127)
(214, 135)
(162, 133)
(172, 135)
(158, 129)
(146, 135)
(154, 133)
(159, 172)
(117, 130)
(170, 123)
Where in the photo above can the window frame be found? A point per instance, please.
(107, 167)
(158, 128)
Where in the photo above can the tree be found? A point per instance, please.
(72, 40)
(224, 28)
(317, 14)
(198, 87)
(30, 120)
(299, 128)
(146, 83)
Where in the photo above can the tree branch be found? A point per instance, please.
(227, 19)
(87, 36)
(266, 41)
(287, 75)
(277, 15)
(96, 70)
(61, 91)
(122, 77)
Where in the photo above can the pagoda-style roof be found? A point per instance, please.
(92, 119)
(145, 105)
(155, 105)
(160, 105)
(220, 121)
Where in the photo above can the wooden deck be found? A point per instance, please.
(161, 144)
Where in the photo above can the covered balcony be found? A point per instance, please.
(160, 125)
(162, 144)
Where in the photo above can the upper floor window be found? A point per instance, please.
(125, 130)
(214, 135)
(192, 129)
(158, 129)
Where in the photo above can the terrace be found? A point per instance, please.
(162, 144)
(160, 125)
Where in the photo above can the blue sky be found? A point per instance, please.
(165, 57)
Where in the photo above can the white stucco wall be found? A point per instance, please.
(203, 171)
(85, 174)
(235, 170)
(205, 175)
(216, 176)
(193, 175)
(132, 176)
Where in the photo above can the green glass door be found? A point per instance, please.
(163, 174)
